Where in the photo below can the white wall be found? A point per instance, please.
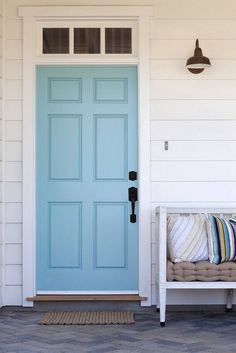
(196, 114)
(13, 159)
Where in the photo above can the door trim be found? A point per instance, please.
(81, 292)
(30, 15)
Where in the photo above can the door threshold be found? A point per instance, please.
(88, 297)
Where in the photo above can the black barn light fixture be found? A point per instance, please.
(197, 63)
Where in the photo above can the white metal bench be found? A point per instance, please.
(161, 257)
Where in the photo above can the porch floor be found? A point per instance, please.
(189, 332)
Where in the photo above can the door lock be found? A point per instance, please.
(132, 175)
(133, 197)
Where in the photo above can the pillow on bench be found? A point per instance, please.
(221, 239)
(187, 238)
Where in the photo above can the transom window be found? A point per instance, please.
(118, 40)
(56, 40)
(87, 41)
(86, 38)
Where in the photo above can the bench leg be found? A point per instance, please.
(229, 299)
(162, 298)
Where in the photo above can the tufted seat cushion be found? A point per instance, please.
(201, 271)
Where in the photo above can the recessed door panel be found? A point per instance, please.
(111, 147)
(65, 90)
(110, 229)
(110, 90)
(65, 221)
(65, 146)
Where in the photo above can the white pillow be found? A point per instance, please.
(187, 238)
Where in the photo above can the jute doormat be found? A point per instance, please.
(87, 318)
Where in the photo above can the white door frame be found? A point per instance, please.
(30, 15)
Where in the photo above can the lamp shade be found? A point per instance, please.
(197, 63)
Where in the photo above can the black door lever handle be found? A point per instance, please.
(133, 197)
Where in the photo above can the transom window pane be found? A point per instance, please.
(87, 40)
(118, 41)
(56, 40)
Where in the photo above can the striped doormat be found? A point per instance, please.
(88, 318)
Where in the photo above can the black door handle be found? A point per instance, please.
(133, 197)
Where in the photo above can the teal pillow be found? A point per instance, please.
(221, 239)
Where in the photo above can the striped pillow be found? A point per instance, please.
(221, 239)
(187, 238)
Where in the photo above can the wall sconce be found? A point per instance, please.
(197, 63)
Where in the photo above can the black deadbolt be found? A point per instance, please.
(132, 175)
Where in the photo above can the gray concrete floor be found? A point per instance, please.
(190, 332)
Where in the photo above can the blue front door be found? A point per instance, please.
(86, 145)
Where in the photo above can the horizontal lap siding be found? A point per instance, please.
(173, 49)
(193, 109)
(194, 191)
(193, 89)
(197, 171)
(201, 9)
(222, 69)
(187, 150)
(196, 114)
(185, 29)
(193, 130)
(13, 158)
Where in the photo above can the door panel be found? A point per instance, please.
(86, 146)
(110, 90)
(65, 90)
(110, 164)
(65, 147)
(67, 251)
(110, 229)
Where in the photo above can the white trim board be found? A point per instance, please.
(86, 11)
(30, 16)
(99, 292)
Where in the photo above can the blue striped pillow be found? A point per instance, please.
(221, 239)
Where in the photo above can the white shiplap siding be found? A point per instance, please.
(13, 159)
(195, 114)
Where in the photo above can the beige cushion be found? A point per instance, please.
(201, 271)
(187, 238)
